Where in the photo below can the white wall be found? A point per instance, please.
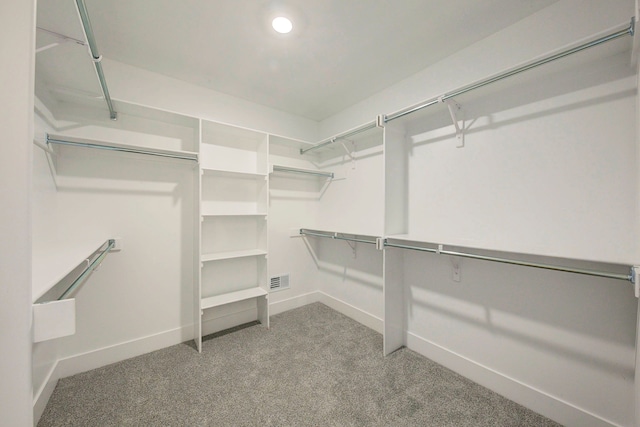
(17, 22)
(293, 204)
(143, 292)
(350, 274)
(551, 341)
(144, 87)
(558, 25)
(547, 168)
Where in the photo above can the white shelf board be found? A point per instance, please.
(289, 142)
(301, 171)
(232, 297)
(435, 241)
(48, 270)
(233, 174)
(132, 149)
(208, 214)
(232, 254)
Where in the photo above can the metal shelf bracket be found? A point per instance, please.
(454, 107)
(634, 278)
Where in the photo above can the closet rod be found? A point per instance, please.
(96, 262)
(334, 235)
(347, 134)
(95, 56)
(54, 140)
(628, 277)
(629, 30)
(302, 171)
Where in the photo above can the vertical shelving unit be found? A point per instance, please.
(233, 202)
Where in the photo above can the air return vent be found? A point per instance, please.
(279, 283)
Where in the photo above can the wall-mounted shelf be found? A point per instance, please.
(233, 174)
(125, 148)
(232, 255)
(214, 214)
(301, 171)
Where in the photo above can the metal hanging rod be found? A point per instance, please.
(58, 292)
(629, 30)
(92, 266)
(95, 56)
(628, 277)
(76, 142)
(347, 134)
(336, 236)
(277, 168)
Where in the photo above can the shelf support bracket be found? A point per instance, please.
(453, 107)
(634, 278)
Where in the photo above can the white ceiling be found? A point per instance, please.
(339, 53)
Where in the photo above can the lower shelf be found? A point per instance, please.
(231, 297)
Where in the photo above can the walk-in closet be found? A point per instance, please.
(368, 213)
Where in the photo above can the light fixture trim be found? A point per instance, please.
(282, 25)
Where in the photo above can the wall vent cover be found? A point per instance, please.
(279, 283)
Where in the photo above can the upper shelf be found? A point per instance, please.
(301, 171)
(112, 146)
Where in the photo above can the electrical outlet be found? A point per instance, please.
(456, 273)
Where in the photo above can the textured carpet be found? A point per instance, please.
(314, 367)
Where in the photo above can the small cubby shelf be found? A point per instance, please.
(227, 148)
(232, 255)
(206, 215)
(225, 173)
(231, 297)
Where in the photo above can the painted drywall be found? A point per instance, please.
(146, 288)
(561, 24)
(549, 169)
(147, 88)
(293, 204)
(547, 340)
(564, 335)
(17, 19)
(353, 202)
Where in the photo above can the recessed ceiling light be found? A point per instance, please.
(282, 25)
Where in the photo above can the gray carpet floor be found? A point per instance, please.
(313, 367)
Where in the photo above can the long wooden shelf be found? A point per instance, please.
(232, 297)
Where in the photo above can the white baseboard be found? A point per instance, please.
(41, 397)
(351, 311)
(523, 394)
(293, 302)
(338, 305)
(115, 353)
